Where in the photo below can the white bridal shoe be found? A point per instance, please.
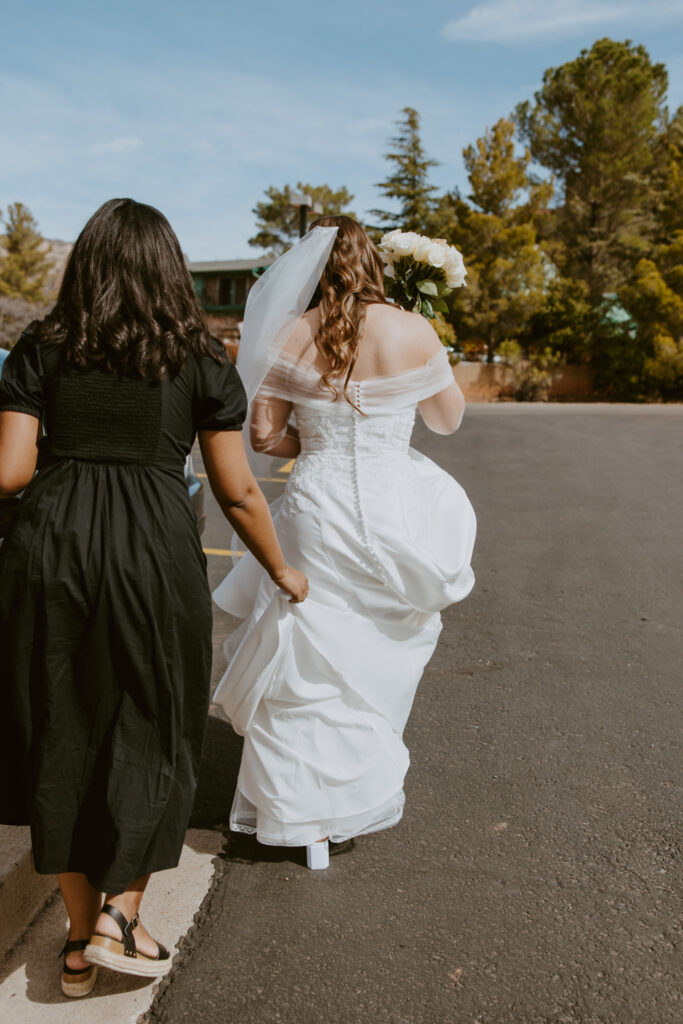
(318, 855)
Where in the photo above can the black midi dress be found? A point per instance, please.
(105, 614)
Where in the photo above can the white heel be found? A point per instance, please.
(318, 855)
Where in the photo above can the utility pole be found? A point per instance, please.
(303, 202)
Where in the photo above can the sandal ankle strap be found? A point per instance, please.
(73, 946)
(129, 947)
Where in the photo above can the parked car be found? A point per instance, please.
(196, 489)
(194, 486)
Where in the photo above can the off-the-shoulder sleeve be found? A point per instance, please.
(220, 402)
(293, 382)
(410, 386)
(21, 384)
(433, 377)
(276, 383)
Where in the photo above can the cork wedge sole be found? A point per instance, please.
(106, 952)
(75, 986)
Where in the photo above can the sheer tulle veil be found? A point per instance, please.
(274, 305)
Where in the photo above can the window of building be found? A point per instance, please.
(240, 293)
(225, 291)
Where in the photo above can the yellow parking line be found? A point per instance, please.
(261, 479)
(221, 551)
(287, 468)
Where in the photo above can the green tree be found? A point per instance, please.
(277, 220)
(565, 322)
(595, 124)
(409, 183)
(495, 230)
(654, 298)
(24, 256)
(669, 172)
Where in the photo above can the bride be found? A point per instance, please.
(321, 691)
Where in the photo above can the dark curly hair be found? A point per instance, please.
(352, 278)
(127, 303)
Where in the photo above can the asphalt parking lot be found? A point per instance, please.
(535, 876)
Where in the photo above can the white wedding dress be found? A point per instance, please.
(321, 691)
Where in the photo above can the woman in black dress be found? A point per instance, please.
(105, 612)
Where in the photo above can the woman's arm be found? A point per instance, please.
(270, 430)
(244, 506)
(18, 451)
(443, 411)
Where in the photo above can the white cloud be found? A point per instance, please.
(518, 21)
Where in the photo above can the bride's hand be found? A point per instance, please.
(294, 583)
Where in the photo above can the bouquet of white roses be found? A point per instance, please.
(424, 270)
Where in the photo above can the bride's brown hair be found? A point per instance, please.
(353, 277)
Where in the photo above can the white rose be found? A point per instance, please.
(421, 249)
(389, 270)
(436, 256)
(455, 280)
(387, 241)
(405, 243)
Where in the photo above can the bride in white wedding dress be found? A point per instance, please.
(321, 691)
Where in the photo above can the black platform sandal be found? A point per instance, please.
(77, 981)
(124, 956)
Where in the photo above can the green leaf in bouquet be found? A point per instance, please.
(417, 308)
(428, 287)
(440, 305)
(442, 288)
(427, 309)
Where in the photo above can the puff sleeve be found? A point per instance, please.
(21, 384)
(220, 402)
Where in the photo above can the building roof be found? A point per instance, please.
(218, 266)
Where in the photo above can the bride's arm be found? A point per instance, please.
(246, 509)
(270, 430)
(443, 411)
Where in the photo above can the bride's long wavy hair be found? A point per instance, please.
(352, 278)
(127, 303)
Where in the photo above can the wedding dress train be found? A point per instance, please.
(321, 691)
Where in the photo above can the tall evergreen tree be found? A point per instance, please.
(495, 230)
(595, 124)
(24, 256)
(669, 177)
(409, 183)
(277, 220)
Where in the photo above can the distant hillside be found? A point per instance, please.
(17, 313)
(59, 254)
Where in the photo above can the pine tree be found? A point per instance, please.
(277, 220)
(409, 184)
(495, 230)
(24, 256)
(595, 123)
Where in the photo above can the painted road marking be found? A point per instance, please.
(261, 479)
(287, 468)
(221, 551)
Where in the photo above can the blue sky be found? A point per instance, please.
(197, 108)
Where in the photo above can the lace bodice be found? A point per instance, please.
(338, 427)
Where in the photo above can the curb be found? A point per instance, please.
(23, 893)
